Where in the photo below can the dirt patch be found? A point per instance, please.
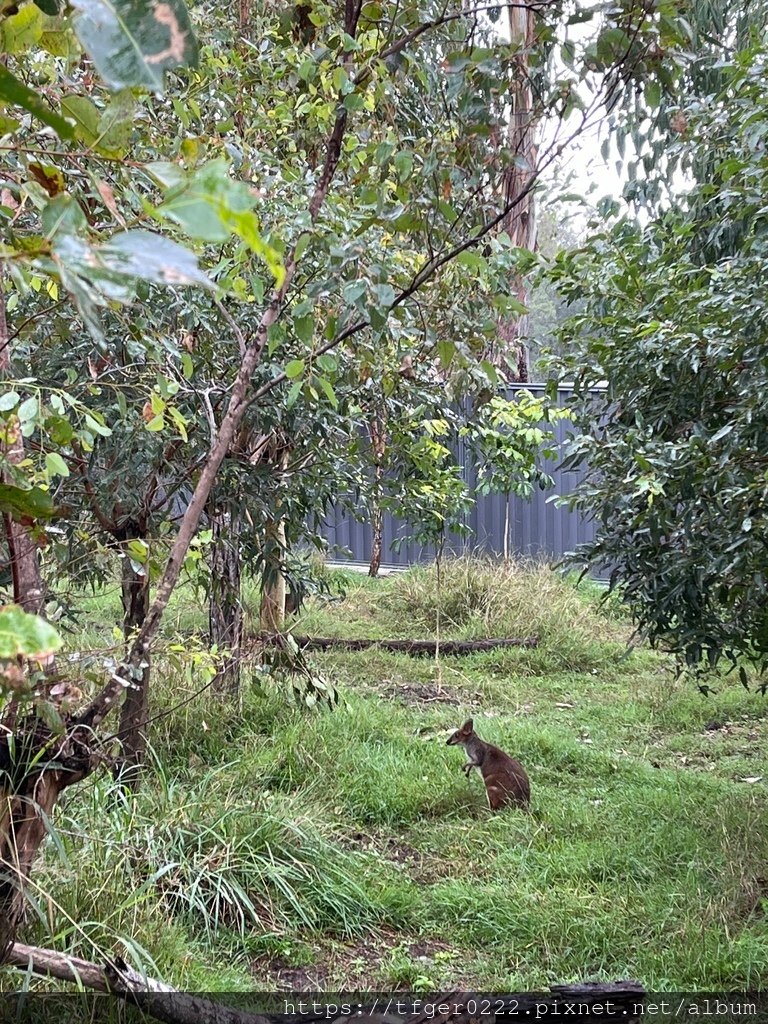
(359, 965)
(425, 949)
(274, 972)
(366, 965)
(422, 867)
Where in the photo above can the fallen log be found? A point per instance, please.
(414, 647)
(612, 1001)
(117, 978)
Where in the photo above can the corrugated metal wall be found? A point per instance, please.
(538, 527)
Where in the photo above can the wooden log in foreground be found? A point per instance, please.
(610, 1001)
(117, 978)
(415, 647)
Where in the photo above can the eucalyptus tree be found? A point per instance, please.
(673, 337)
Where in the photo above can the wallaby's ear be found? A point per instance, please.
(468, 725)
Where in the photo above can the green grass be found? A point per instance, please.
(267, 839)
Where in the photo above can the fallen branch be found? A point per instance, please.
(598, 1001)
(414, 647)
(117, 978)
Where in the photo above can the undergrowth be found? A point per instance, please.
(339, 849)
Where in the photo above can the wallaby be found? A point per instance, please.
(505, 779)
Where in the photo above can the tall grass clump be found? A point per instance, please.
(482, 597)
(198, 852)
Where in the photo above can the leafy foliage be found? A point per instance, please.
(669, 361)
(25, 636)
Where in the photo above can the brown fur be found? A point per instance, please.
(506, 781)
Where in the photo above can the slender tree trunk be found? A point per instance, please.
(27, 579)
(28, 802)
(135, 709)
(28, 588)
(520, 225)
(225, 604)
(272, 611)
(377, 534)
(506, 527)
(378, 434)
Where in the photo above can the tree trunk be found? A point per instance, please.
(30, 785)
(520, 225)
(135, 710)
(27, 579)
(28, 588)
(378, 434)
(377, 530)
(272, 611)
(225, 605)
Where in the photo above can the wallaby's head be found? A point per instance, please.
(462, 735)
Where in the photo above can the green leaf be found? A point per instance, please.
(21, 31)
(446, 350)
(50, 7)
(132, 43)
(295, 368)
(652, 93)
(85, 115)
(166, 174)
(354, 102)
(328, 389)
(204, 201)
(63, 214)
(179, 421)
(16, 93)
(138, 550)
(151, 257)
(155, 424)
(60, 43)
(211, 205)
(28, 409)
(97, 426)
(304, 327)
(19, 503)
(9, 401)
(404, 164)
(116, 125)
(385, 293)
(25, 635)
(55, 465)
(354, 291)
(293, 394)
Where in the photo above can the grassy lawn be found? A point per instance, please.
(343, 849)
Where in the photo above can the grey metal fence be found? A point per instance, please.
(538, 527)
